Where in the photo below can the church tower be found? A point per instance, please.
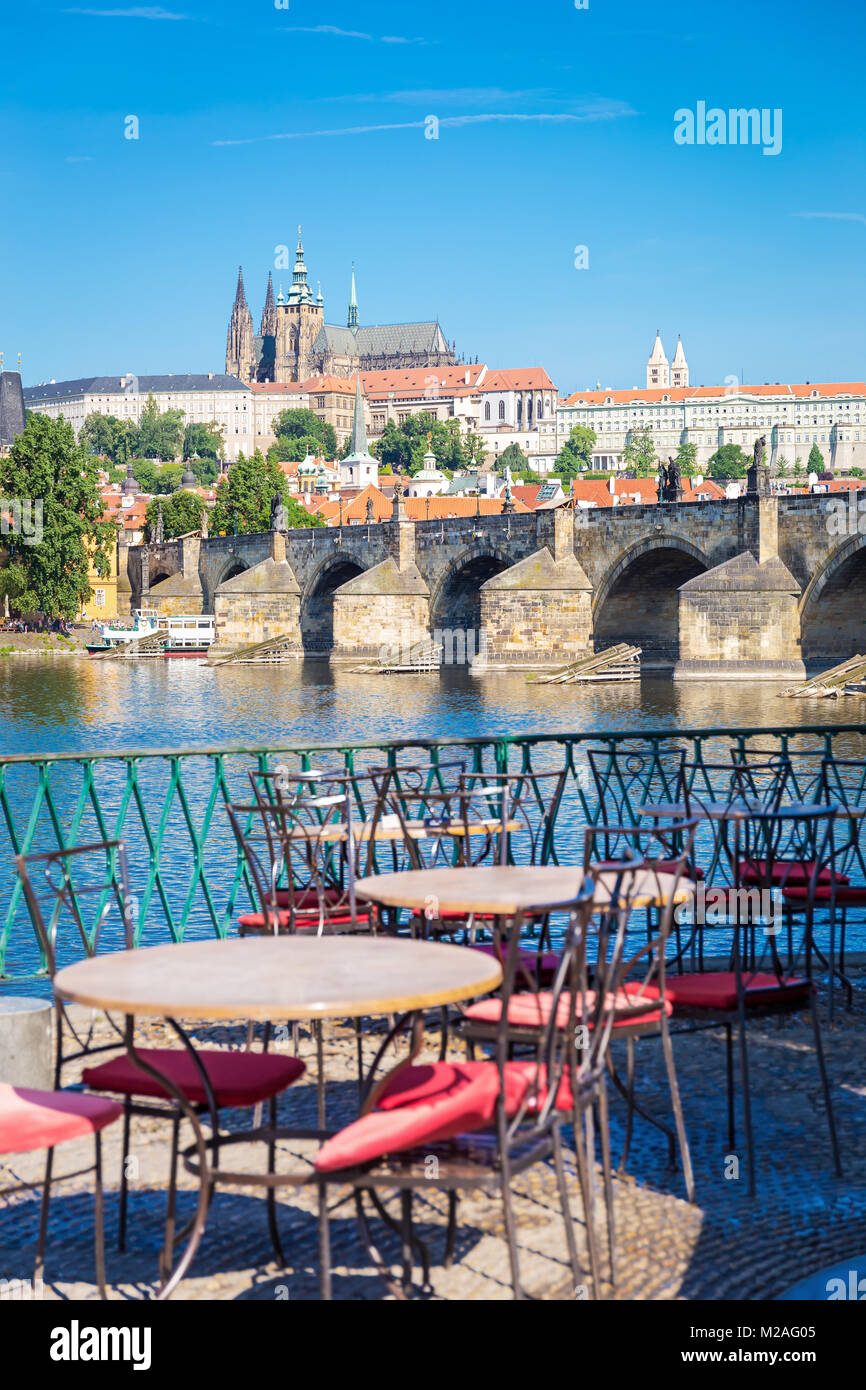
(657, 368)
(298, 321)
(679, 366)
(241, 342)
(269, 313)
(352, 320)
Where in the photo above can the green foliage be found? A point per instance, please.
(511, 457)
(102, 435)
(294, 448)
(639, 454)
(243, 500)
(404, 446)
(305, 424)
(527, 476)
(856, 472)
(47, 465)
(204, 440)
(815, 463)
(182, 512)
(782, 467)
(687, 458)
(728, 462)
(159, 434)
(576, 452)
(798, 467)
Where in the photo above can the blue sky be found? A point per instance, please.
(556, 131)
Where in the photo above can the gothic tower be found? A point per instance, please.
(269, 313)
(679, 366)
(298, 320)
(657, 368)
(240, 342)
(352, 321)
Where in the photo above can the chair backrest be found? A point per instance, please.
(626, 778)
(772, 870)
(530, 808)
(80, 903)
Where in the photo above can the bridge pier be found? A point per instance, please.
(740, 621)
(385, 607)
(259, 605)
(537, 612)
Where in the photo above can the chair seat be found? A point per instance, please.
(632, 1005)
(304, 921)
(32, 1119)
(307, 899)
(786, 871)
(425, 1105)
(717, 989)
(844, 895)
(237, 1078)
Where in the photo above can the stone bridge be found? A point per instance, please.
(755, 586)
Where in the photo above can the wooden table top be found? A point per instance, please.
(389, 829)
(514, 888)
(282, 977)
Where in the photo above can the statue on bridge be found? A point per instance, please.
(278, 513)
(670, 482)
(758, 476)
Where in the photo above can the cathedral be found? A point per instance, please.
(294, 342)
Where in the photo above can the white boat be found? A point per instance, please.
(186, 634)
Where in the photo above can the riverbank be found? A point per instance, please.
(45, 643)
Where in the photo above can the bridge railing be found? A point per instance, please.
(188, 878)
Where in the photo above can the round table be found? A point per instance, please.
(504, 891)
(267, 978)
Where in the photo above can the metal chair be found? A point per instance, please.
(59, 888)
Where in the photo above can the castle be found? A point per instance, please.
(659, 372)
(294, 343)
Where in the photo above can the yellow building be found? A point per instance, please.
(102, 604)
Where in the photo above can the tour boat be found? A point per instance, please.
(186, 634)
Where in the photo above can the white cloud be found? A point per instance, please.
(466, 95)
(834, 216)
(599, 112)
(347, 33)
(138, 12)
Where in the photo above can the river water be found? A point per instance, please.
(75, 705)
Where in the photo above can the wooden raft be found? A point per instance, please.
(619, 663)
(846, 679)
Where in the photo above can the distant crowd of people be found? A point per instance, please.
(36, 625)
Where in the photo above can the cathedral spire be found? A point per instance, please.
(269, 313)
(352, 321)
(240, 297)
(300, 292)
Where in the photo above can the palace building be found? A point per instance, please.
(294, 342)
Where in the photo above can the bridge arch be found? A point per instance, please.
(833, 606)
(317, 601)
(455, 600)
(637, 600)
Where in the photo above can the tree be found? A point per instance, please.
(182, 512)
(302, 424)
(48, 466)
(816, 462)
(728, 462)
(293, 448)
(782, 467)
(687, 458)
(244, 496)
(159, 434)
(204, 440)
(404, 446)
(512, 457)
(639, 454)
(100, 434)
(576, 453)
(798, 467)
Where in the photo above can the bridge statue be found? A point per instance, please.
(670, 482)
(278, 513)
(661, 481)
(758, 476)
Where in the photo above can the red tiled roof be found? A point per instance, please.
(517, 379)
(652, 395)
(597, 491)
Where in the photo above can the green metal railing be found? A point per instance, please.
(167, 805)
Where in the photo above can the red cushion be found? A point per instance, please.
(717, 989)
(543, 966)
(533, 1010)
(453, 1098)
(40, 1119)
(307, 899)
(844, 896)
(787, 871)
(424, 1083)
(238, 1078)
(305, 921)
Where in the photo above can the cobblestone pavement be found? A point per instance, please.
(726, 1246)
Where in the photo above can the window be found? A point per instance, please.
(487, 410)
(502, 410)
(99, 597)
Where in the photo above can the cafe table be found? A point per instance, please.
(280, 978)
